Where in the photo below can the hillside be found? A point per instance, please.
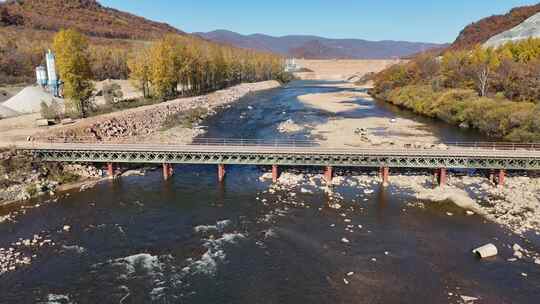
(87, 16)
(481, 31)
(314, 47)
(28, 26)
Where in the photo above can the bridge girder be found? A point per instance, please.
(290, 159)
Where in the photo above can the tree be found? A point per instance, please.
(484, 61)
(139, 70)
(164, 66)
(455, 69)
(73, 64)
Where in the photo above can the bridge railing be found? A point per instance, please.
(300, 143)
(254, 142)
(495, 146)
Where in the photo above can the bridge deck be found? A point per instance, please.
(212, 153)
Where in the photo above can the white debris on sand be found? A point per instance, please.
(289, 126)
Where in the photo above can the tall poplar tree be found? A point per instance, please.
(73, 64)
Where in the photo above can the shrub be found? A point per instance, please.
(51, 111)
(112, 92)
(185, 119)
(31, 190)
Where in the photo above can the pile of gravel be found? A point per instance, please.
(6, 112)
(29, 100)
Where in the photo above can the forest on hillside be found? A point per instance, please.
(21, 51)
(496, 91)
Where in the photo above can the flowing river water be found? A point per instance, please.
(192, 240)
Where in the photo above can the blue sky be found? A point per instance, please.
(412, 20)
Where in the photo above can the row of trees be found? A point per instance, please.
(162, 69)
(178, 65)
(21, 52)
(494, 90)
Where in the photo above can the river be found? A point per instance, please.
(192, 240)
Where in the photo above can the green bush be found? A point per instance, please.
(31, 190)
(496, 117)
(53, 111)
(185, 119)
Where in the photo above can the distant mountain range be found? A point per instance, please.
(314, 47)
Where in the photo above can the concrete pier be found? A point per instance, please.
(221, 173)
(385, 175)
(275, 173)
(168, 171)
(502, 177)
(443, 177)
(329, 174)
(110, 170)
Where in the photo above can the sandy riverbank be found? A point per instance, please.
(340, 131)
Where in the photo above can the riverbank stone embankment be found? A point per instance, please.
(148, 122)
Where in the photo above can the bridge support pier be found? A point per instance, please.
(502, 177)
(443, 177)
(275, 173)
(221, 173)
(385, 175)
(167, 171)
(110, 170)
(329, 174)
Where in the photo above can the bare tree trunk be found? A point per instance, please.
(483, 81)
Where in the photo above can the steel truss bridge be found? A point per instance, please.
(222, 152)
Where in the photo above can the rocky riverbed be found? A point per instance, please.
(515, 206)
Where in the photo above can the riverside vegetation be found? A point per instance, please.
(164, 69)
(493, 90)
(23, 177)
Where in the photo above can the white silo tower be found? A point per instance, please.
(41, 76)
(51, 73)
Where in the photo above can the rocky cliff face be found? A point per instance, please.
(528, 29)
(481, 31)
